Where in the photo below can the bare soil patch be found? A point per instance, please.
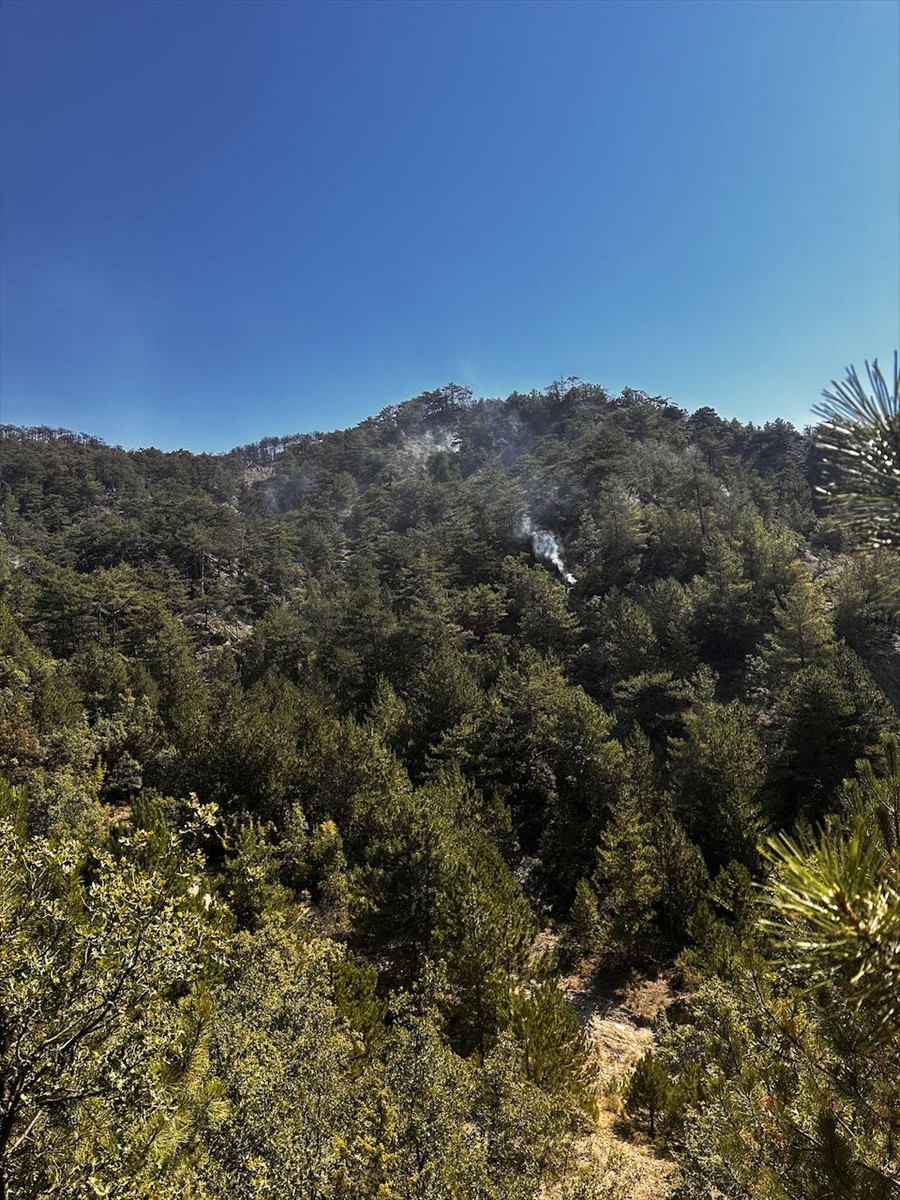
(618, 1018)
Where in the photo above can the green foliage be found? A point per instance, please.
(723, 927)
(584, 919)
(722, 599)
(838, 900)
(411, 726)
(328, 869)
(648, 1091)
(626, 880)
(670, 609)
(611, 539)
(288, 1062)
(681, 871)
(629, 644)
(799, 1043)
(717, 775)
(866, 596)
(403, 884)
(524, 1127)
(537, 602)
(105, 964)
(550, 1040)
(859, 440)
(803, 636)
(485, 933)
(826, 719)
(325, 1100)
(250, 876)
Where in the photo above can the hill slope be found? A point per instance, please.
(414, 719)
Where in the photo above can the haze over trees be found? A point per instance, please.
(325, 760)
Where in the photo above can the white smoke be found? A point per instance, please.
(545, 546)
(417, 450)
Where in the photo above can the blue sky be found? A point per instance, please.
(226, 220)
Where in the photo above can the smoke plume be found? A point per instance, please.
(545, 546)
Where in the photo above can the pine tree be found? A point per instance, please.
(403, 884)
(800, 1044)
(681, 871)
(826, 718)
(859, 441)
(648, 1090)
(626, 879)
(803, 636)
(485, 931)
(549, 1038)
(717, 775)
(584, 919)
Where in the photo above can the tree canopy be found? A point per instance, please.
(323, 763)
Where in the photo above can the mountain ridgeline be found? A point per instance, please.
(325, 761)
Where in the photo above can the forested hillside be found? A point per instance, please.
(325, 762)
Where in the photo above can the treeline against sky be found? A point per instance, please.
(324, 758)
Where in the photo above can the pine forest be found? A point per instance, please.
(497, 800)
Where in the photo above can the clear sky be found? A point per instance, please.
(222, 220)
